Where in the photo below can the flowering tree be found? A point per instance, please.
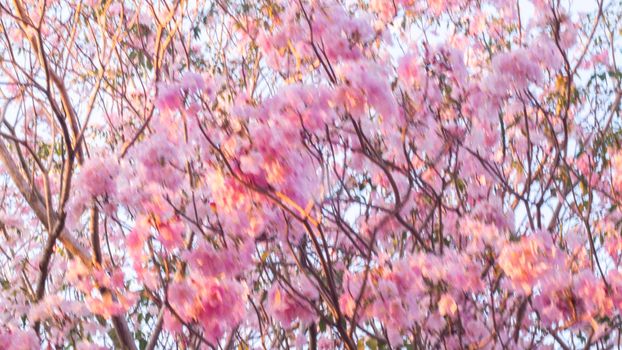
(310, 174)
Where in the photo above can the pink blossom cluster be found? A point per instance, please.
(312, 174)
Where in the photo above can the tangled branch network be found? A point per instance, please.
(310, 174)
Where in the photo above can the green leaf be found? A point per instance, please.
(322, 325)
(372, 344)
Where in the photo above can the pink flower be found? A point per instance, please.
(616, 167)
(160, 160)
(347, 304)
(17, 339)
(601, 58)
(97, 176)
(526, 261)
(367, 82)
(135, 240)
(252, 163)
(211, 262)
(217, 305)
(105, 306)
(171, 233)
(169, 97)
(192, 82)
(447, 305)
(84, 345)
(287, 308)
(516, 68)
(182, 299)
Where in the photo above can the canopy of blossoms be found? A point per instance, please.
(310, 174)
